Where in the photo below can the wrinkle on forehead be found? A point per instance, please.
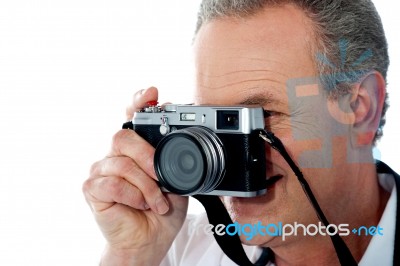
(219, 75)
(230, 83)
(234, 72)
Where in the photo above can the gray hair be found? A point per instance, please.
(341, 27)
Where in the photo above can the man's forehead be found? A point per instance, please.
(270, 45)
(251, 96)
(283, 26)
(250, 61)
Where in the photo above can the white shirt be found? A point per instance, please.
(198, 249)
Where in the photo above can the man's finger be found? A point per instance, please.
(127, 143)
(140, 100)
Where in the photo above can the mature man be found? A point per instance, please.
(318, 68)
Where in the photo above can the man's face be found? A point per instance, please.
(251, 61)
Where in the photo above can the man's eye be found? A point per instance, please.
(268, 113)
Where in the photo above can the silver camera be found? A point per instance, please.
(212, 150)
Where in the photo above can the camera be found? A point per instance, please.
(210, 150)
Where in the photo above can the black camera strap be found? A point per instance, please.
(342, 251)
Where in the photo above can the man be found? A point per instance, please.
(266, 53)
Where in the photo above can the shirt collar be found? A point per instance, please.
(380, 249)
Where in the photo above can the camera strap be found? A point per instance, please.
(342, 251)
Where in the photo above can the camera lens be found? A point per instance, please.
(181, 163)
(190, 161)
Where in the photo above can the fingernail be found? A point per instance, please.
(162, 205)
(146, 206)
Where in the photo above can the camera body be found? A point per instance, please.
(211, 150)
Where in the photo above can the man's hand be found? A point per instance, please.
(138, 221)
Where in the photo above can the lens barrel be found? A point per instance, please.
(190, 161)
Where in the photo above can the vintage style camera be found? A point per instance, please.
(213, 150)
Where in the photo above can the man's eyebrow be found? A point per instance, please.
(261, 100)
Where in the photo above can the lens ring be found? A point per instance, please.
(201, 148)
(213, 149)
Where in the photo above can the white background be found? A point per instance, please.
(68, 69)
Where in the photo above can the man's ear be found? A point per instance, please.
(366, 105)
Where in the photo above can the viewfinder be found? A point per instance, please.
(227, 120)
